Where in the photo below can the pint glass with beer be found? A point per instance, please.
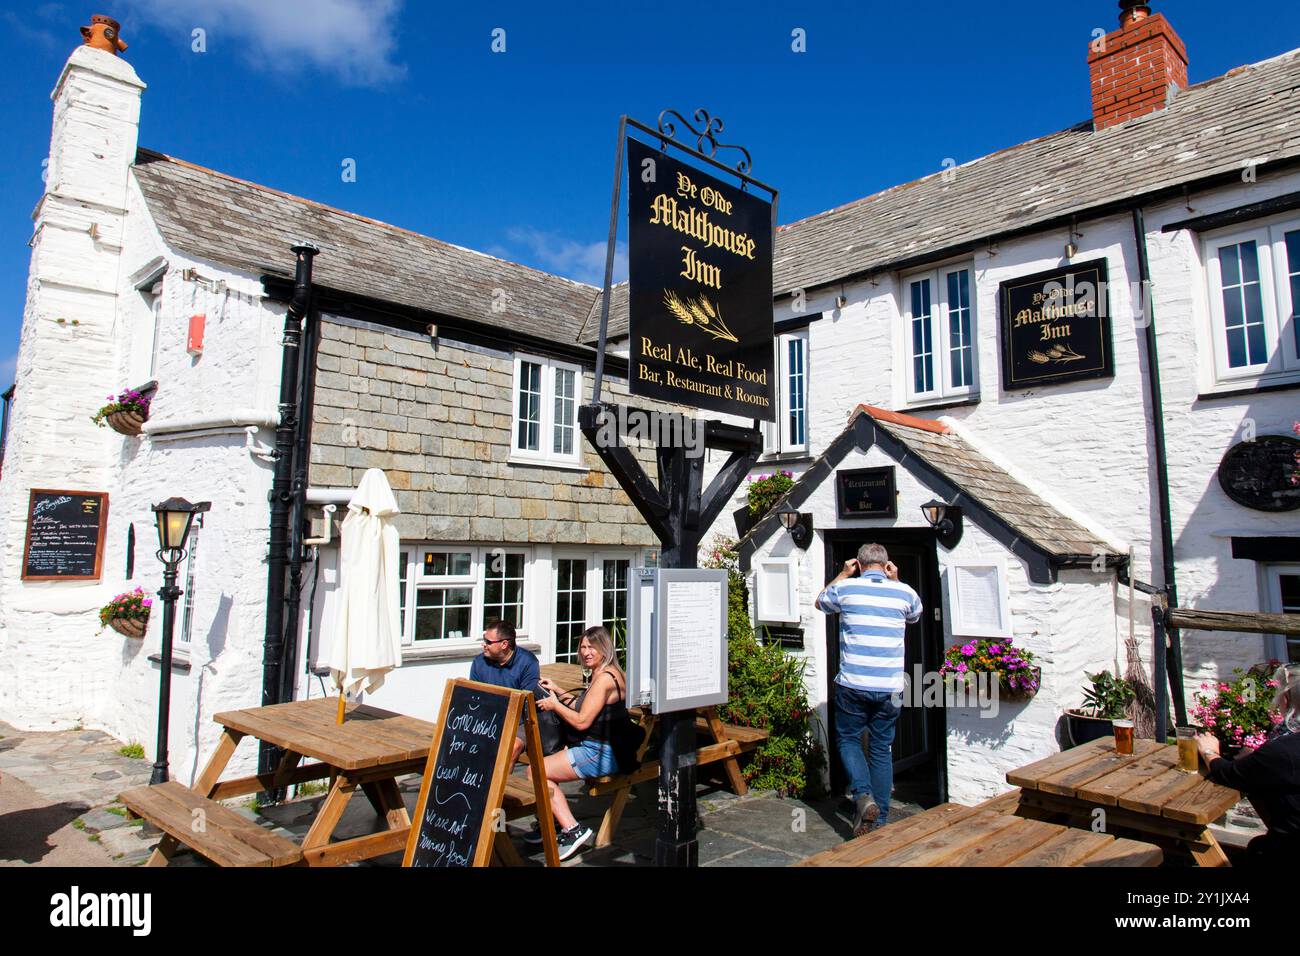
(1123, 736)
(1188, 755)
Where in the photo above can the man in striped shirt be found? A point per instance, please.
(875, 609)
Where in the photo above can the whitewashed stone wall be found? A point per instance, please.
(58, 668)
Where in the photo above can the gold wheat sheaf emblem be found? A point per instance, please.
(700, 312)
(1057, 353)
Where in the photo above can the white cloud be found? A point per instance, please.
(583, 261)
(355, 40)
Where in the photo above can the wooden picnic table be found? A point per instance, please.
(370, 750)
(1142, 793)
(954, 835)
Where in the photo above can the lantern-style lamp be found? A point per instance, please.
(945, 519)
(799, 524)
(174, 517)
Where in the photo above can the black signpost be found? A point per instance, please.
(700, 300)
(1055, 326)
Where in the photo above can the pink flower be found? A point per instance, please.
(962, 668)
(968, 650)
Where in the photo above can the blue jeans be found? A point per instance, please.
(876, 713)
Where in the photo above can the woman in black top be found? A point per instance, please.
(598, 726)
(1269, 776)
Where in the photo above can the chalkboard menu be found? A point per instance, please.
(1258, 473)
(866, 493)
(1055, 326)
(465, 778)
(65, 535)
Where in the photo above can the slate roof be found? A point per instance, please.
(1252, 112)
(1033, 519)
(221, 219)
(944, 461)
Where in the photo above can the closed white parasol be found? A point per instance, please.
(367, 640)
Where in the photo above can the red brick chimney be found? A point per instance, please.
(1133, 68)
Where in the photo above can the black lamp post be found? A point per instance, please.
(174, 517)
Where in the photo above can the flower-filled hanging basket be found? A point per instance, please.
(125, 413)
(126, 422)
(129, 627)
(128, 613)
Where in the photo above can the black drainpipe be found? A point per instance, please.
(282, 492)
(297, 526)
(1169, 582)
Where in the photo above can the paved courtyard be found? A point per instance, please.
(58, 808)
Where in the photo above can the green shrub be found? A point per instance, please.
(133, 750)
(766, 490)
(766, 689)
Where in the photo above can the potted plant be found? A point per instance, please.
(1018, 676)
(764, 491)
(125, 413)
(1238, 711)
(1105, 700)
(128, 613)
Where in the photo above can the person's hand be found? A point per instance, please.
(891, 570)
(1208, 745)
(547, 703)
(547, 684)
(850, 568)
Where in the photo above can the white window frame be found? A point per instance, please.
(776, 438)
(1282, 360)
(544, 455)
(475, 580)
(1272, 602)
(940, 351)
(785, 608)
(960, 625)
(593, 584)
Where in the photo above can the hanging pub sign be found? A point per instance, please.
(699, 288)
(866, 493)
(1055, 326)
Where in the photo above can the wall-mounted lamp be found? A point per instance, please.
(799, 524)
(1072, 247)
(945, 519)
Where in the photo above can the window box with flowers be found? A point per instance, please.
(1018, 676)
(128, 613)
(125, 413)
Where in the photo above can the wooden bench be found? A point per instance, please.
(729, 742)
(210, 829)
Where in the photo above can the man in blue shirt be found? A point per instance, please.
(875, 609)
(506, 665)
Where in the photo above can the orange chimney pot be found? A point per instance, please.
(104, 33)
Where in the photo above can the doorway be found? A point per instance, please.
(920, 739)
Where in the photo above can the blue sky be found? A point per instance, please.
(511, 153)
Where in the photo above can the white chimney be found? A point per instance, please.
(68, 362)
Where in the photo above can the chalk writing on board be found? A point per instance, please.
(64, 535)
(452, 822)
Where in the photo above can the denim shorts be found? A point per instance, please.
(592, 758)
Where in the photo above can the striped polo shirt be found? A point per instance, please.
(874, 613)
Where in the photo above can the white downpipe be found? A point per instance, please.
(239, 418)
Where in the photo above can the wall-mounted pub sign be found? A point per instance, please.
(699, 288)
(866, 493)
(1055, 326)
(1257, 474)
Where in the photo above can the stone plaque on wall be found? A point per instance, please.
(1257, 474)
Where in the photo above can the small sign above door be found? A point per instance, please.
(866, 493)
